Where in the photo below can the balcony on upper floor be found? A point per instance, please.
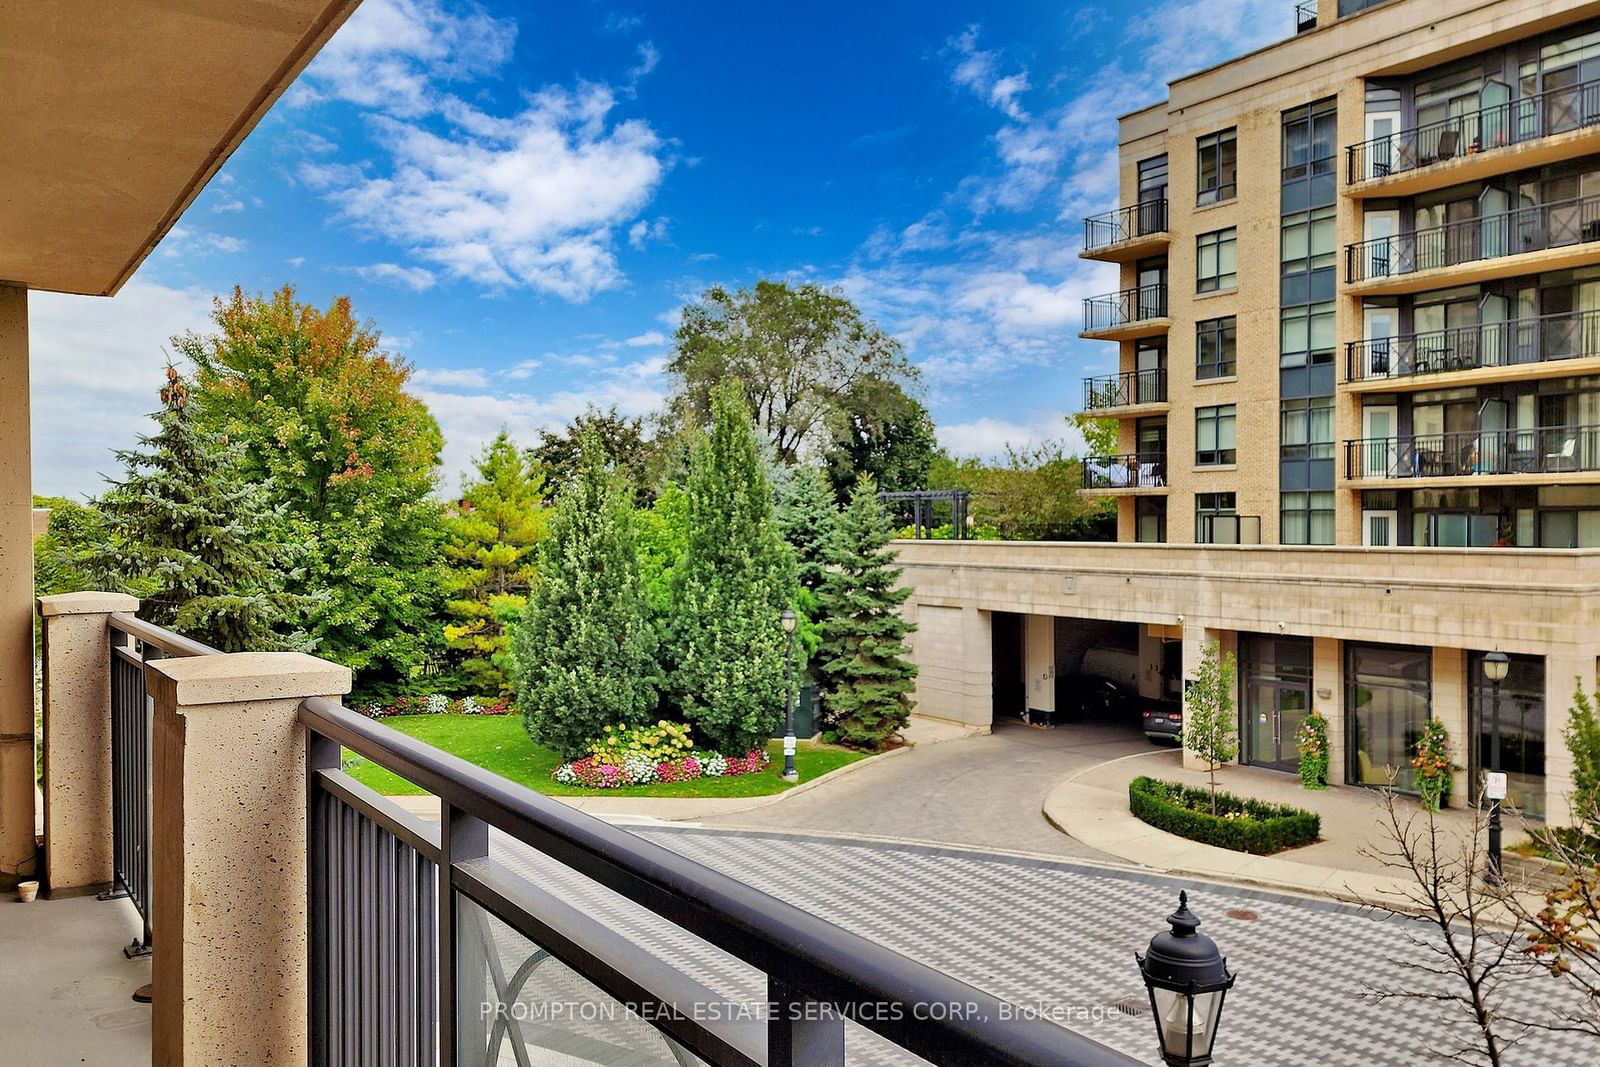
(1127, 233)
(1135, 392)
(1305, 17)
(1127, 315)
(1134, 473)
(1525, 240)
(1498, 136)
(1542, 346)
(1531, 455)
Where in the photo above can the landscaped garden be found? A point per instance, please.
(1221, 819)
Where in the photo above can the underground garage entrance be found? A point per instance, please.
(1057, 671)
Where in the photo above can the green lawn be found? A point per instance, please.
(498, 743)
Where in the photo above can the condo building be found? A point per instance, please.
(1357, 391)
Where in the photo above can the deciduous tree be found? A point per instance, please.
(881, 432)
(558, 452)
(1208, 715)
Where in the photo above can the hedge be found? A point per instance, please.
(1268, 828)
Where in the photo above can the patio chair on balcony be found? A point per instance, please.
(1150, 477)
(1564, 460)
(1449, 143)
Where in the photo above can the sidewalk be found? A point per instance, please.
(1092, 806)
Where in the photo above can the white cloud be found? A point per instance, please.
(978, 70)
(316, 143)
(226, 205)
(643, 232)
(187, 243)
(296, 261)
(416, 279)
(96, 365)
(451, 377)
(523, 370)
(989, 437)
(648, 59)
(647, 339)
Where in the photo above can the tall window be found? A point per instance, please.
(1309, 145)
(1215, 519)
(1214, 435)
(1215, 341)
(1306, 335)
(1217, 166)
(1307, 249)
(1306, 428)
(1306, 519)
(1150, 519)
(1217, 260)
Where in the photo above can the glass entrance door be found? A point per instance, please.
(1276, 710)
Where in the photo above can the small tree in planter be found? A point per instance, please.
(1432, 765)
(1582, 735)
(1312, 742)
(1208, 714)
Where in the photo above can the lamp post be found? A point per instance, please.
(1495, 666)
(1187, 978)
(789, 773)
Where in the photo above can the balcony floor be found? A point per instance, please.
(67, 988)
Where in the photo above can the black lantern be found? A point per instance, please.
(1187, 978)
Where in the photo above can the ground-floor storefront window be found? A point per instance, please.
(1388, 696)
(1522, 729)
(1275, 675)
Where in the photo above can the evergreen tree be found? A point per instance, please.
(807, 511)
(583, 656)
(735, 580)
(491, 537)
(199, 543)
(866, 679)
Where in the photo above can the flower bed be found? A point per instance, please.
(436, 704)
(1241, 824)
(594, 773)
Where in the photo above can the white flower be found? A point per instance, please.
(636, 771)
(469, 706)
(565, 776)
(438, 704)
(713, 766)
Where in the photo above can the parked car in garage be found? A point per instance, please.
(1104, 688)
(1161, 720)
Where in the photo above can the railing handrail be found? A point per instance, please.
(1503, 431)
(1122, 294)
(833, 965)
(167, 641)
(1503, 451)
(1125, 388)
(1430, 243)
(1125, 223)
(1532, 104)
(1477, 221)
(1508, 355)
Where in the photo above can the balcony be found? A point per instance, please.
(1127, 233)
(1543, 455)
(1553, 125)
(1305, 17)
(1130, 474)
(1136, 392)
(1128, 315)
(1514, 349)
(1551, 236)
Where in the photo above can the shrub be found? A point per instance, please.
(1208, 716)
(1312, 742)
(1241, 824)
(1582, 735)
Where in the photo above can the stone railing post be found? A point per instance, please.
(228, 855)
(77, 738)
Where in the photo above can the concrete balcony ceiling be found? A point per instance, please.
(113, 116)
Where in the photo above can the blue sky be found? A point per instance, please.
(522, 196)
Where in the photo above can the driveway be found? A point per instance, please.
(978, 791)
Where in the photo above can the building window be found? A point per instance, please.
(1306, 335)
(1309, 140)
(1150, 519)
(1522, 729)
(1306, 428)
(1216, 519)
(1388, 696)
(1217, 260)
(1306, 519)
(1214, 435)
(1215, 341)
(1217, 167)
(1307, 247)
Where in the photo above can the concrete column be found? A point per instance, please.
(17, 841)
(1450, 708)
(1564, 671)
(1039, 671)
(228, 855)
(77, 737)
(1327, 677)
(1195, 639)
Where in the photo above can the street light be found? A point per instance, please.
(1495, 666)
(789, 773)
(1187, 978)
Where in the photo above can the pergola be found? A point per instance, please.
(113, 117)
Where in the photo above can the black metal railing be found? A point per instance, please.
(1463, 453)
(1122, 390)
(1305, 16)
(1227, 530)
(376, 874)
(1138, 304)
(1125, 223)
(1528, 229)
(1567, 335)
(1485, 129)
(920, 509)
(134, 643)
(1140, 470)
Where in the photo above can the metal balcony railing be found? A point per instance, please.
(1305, 16)
(1529, 229)
(423, 939)
(1463, 453)
(1567, 335)
(1141, 470)
(1139, 304)
(1124, 224)
(1122, 390)
(134, 643)
(1227, 530)
(1496, 126)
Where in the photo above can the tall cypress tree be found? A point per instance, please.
(866, 679)
(584, 655)
(736, 578)
(198, 540)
